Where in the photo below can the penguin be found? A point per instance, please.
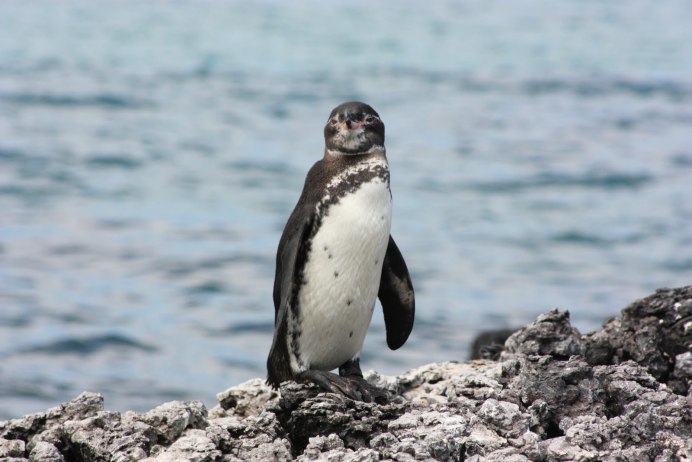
(336, 256)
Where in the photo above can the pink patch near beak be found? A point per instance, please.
(354, 126)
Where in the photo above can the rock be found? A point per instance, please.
(247, 399)
(652, 331)
(45, 452)
(12, 448)
(332, 448)
(170, 420)
(193, 446)
(549, 335)
(504, 417)
(681, 379)
(622, 393)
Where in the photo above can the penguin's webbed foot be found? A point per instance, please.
(354, 387)
(369, 392)
(350, 370)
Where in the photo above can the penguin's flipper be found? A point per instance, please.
(290, 259)
(289, 263)
(396, 296)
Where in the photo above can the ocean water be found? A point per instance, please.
(150, 153)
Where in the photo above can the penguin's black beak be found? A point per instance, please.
(348, 119)
(351, 118)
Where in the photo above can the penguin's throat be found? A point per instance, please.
(372, 149)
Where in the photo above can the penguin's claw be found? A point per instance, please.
(353, 387)
(369, 393)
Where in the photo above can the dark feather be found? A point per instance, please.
(291, 256)
(288, 270)
(396, 296)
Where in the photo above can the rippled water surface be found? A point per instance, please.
(150, 153)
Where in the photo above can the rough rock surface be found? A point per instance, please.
(622, 393)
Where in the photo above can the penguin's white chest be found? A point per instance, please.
(342, 277)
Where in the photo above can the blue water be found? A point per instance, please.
(150, 153)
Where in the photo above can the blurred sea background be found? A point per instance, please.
(150, 153)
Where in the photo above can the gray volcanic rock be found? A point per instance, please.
(656, 332)
(618, 394)
(550, 334)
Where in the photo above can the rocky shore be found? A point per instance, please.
(621, 393)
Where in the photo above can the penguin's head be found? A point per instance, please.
(353, 128)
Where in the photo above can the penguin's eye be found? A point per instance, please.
(332, 121)
(369, 119)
